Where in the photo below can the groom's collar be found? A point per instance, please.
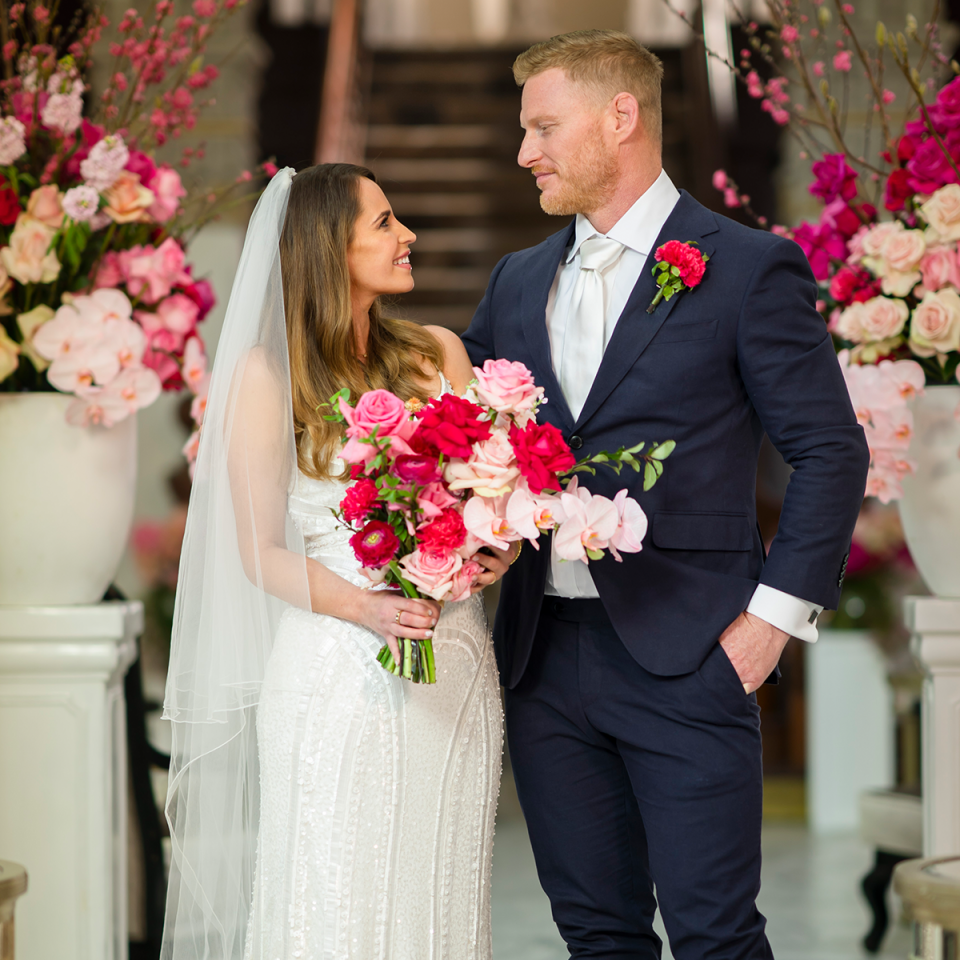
(640, 226)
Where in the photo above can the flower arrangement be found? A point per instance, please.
(435, 483)
(884, 249)
(96, 296)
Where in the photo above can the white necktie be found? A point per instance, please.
(583, 339)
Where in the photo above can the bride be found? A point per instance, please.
(320, 807)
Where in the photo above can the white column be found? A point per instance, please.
(850, 727)
(63, 774)
(934, 623)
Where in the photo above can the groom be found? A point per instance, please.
(633, 725)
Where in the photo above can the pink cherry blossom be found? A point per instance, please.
(842, 61)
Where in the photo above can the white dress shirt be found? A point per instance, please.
(638, 230)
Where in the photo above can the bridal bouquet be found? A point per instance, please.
(435, 483)
(884, 248)
(96, 297)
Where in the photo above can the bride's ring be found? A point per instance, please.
(396, 619)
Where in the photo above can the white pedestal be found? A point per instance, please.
(850, 727)
(935, 625)
(63, 778)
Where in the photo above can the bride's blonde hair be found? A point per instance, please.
(323, 208)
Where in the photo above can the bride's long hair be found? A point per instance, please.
(323, 208)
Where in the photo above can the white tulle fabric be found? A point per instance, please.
(318, 807)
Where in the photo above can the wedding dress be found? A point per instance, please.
(377, 794)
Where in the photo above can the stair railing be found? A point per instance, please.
(340, 136)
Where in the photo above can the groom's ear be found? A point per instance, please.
(625, 113)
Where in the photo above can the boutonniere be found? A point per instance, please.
(679, 266)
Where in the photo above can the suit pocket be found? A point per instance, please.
(677, 332)
(703, 531)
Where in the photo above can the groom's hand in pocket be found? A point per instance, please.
(753, 646)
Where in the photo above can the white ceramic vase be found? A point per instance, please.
(66, 501)
(930, 507)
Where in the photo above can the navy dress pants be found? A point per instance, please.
(629, 780)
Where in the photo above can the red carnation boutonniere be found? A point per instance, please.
(679, 265)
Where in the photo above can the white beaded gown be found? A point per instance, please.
(378, 795)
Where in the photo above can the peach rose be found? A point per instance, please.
(942, 212)
(28, 324)
(849, 324)
(507, 386)
(432, 571)
(29, 259)
(935, 325)
(939, 267)
(904, 249)
(44, 205)
(490, 470)
(128, 200)
(883, 317)
(875, 237)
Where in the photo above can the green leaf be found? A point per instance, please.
(649, 477)
(662, 279)
(668, 292)
(675, 271)
(595, 554)
(663, 450)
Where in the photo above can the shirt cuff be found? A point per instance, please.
(785, 612)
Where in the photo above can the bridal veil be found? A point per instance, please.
(241, 566)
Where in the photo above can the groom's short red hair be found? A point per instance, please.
(606, 61)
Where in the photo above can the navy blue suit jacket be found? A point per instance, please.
(714, 368)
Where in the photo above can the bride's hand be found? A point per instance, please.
(393, 615)
(495, 564)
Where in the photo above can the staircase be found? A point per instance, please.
(443, 134)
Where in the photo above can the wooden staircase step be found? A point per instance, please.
(427, 137)
(439, 204)
(450, 278)
(410, 170)
(468, 239)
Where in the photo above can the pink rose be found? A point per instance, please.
(935, 325)
(151, 272)
(873, 238)
(490, 471)
(849, 324)
(167, 188)
(378, 410)
(939, 267)
(942, 212)
(27, 259)
(432, 571)
(883, 317)
(464, 580)
(433, 499)
(507, 387)
(109, 273)
(904, 249)
(178, 314)
(44, 205)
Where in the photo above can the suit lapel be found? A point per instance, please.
(533, 313)
(635, 327)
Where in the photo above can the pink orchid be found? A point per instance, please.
(632, 526)
(591, 522)
(194, 363)
(530, 515)
(483, 518)
(97, 407)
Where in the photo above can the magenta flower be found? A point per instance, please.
(834, 178)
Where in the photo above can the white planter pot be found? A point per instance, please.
(66, 501)
(930, 508)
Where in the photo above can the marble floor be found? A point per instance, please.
(810, 896)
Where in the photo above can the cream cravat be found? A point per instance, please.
(583, 338)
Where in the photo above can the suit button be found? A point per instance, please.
(575, 442)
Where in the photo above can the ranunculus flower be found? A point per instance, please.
(945, 111)
(27, 259)
(10, 207)
(929, 169)
(822, 245)
(434, 499)
(935, 325)
(507, 386)
(416, 468)
(847, 282)
(942, 212)
(883, 317)
(489, 471)
(452, 425)
(168, 190)
(463, 581)
(432, 571)
(9, 354)
(541, 454)
(29, 323)
(834, 178)
(445, 531)
(44, 205)
(360, 500)
(375, 545)
(128, 200)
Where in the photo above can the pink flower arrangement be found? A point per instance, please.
(433, 487)
(88, 217)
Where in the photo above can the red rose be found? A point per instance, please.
(541, 453)
(447, 530)
(359, 501)
(9, 204)
(375, 545)
(687, 259)
(452, 425)
(852, 286)
(898, 190)
(416, 468)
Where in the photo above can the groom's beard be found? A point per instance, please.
(588, 181)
